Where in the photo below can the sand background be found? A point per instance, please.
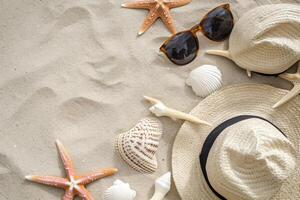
(76, 71)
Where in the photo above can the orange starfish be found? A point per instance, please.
(73, 184)
(158, 9)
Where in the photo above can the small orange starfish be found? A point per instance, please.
(73, 184)
(158, 9)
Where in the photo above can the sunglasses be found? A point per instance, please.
(182, 47)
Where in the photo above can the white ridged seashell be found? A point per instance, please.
(205, 79)
(162, 186)
(119, 191)
(137, 147)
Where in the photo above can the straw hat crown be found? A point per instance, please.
(250, 160)
(266, 39)
(252, 151)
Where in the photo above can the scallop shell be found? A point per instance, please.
(119, 191)
(266, 39)
(137, 147)
(205, 79)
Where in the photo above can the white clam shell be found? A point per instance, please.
(137, 147)
(119, 191)
(205, 79)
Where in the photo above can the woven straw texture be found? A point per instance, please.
(251, 99)
(267, 39)
(250, 160)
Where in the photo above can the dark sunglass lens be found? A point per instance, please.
(182, 48)
(218, 24)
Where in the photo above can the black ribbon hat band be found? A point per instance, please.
(209, 141)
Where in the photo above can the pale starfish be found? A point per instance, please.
(73, 184)
(158, 9)
(295, 79)
(159, 109)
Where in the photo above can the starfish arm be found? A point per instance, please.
(150, 19)
(168, 20)
(291, 94)
(84, 193)
(176, 3)
(291, 77)
(88, 178)
(49, 180)
(66, 159)
(69, 194)
(142, 4)
(295, 79)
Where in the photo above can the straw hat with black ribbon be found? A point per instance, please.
(250, 152)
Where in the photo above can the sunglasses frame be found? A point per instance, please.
(194, 30)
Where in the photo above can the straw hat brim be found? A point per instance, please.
(252, 99)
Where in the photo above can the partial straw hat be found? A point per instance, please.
(266, 39)
(250, 152)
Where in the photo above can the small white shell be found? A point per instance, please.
(158, 109)
(137, 147)
(119, 191)
(162, 186)
(205, 80)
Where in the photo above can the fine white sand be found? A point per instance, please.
(76, 71)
